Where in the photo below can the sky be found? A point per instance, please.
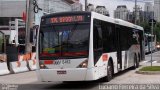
(111, 5)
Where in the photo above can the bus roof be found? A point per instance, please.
(97, 16)
(115, 21)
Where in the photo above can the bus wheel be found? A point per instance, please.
(109, 71)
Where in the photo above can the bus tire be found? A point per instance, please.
(109, 71)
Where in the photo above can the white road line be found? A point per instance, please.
(154, 62)
(145, 61)
(149, 61)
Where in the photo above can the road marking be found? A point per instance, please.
(154, 62)
(144, 61)
(149, 61)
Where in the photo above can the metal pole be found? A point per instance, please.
(28, 26)
(152, 38)
(86, 2)
(135, 12)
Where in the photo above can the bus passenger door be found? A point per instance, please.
(97, 35)
(119, 52)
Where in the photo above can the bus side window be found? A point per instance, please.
(109, 37)
(97, 42)
(97, 37)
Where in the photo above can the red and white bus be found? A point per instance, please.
(85, 46)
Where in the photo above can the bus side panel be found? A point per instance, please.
(124, 64)
(91, 59)
(131, 53)
(113, 55)
(101, 67)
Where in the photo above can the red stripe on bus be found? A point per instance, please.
(75, 53)
(48, 54)
(48, 62)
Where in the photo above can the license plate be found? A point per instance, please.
(61, 72)
(59, 62)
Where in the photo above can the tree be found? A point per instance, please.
(157, 31)
(146, 27)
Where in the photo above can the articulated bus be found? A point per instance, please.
(86, 46)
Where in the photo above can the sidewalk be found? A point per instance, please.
(155, 59)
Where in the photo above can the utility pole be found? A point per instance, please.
(86, 2)
(135, 15)
(151, 41)
(29, 24)
(152, 37)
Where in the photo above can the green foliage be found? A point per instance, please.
(157, 31)
(147, 29)
(150, 68)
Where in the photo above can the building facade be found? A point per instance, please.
(90, 7)
(148, 7)
(53, 6)
(76, 6)
(102, 10)
(138, 14)
(148, 11)
(157, 10)
(11, 9)
(121, 12)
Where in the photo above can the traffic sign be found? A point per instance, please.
(152, 20)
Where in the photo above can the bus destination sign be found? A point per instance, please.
(66, 19)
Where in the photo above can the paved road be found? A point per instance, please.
(28, 80)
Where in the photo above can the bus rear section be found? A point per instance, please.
(63, 47)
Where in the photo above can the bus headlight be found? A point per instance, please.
(84, 64)
(42, 65)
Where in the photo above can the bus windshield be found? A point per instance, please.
(64, 41)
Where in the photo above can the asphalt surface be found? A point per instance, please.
(29, 81)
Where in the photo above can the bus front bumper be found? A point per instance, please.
(63, 74)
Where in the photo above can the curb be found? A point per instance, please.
(148, 72)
